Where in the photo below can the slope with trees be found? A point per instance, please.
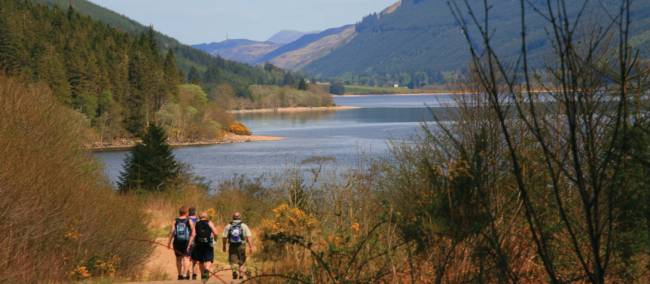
(420, 43)
(212, 71)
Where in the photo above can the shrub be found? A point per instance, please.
(62, 220)
(239, 128)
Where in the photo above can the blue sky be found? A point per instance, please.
(198, 21)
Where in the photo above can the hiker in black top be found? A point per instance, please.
(203, 250)
(181, 234)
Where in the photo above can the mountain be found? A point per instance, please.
(209, 70)
(291, 55)
(286, 36)
(308, 48)
(419, 40)
(241, 50)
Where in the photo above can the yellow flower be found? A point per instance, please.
(355, 228)
(72, 235)
(81, 272)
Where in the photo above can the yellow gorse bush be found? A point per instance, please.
(290, 221)
(80, 272)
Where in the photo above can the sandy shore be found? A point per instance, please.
(292, 109)
(229, 138)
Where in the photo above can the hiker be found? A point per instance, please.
(181, 234)
(193, 219)
(203, 250)
(237, 235)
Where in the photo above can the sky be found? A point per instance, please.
(201, 21)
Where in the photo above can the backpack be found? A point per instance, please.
(182, 232)
(235, 234)
(203, 232)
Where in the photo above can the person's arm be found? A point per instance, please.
(192, 235)
(214, 231)
(224, 238)
(249, 238)
(171, 235)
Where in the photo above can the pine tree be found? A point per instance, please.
(151, 165)
(302, 85)
(194, 77)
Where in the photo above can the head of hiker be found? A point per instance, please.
(236, 217)
(192, 211)
(203, 215)
(182, 211)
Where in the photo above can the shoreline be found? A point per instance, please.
(229, 138)
(411, 95)
(291, 109)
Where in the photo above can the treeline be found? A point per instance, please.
(199, 67)
(118, 81)
(122, 82)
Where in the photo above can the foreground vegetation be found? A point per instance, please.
(63, 220)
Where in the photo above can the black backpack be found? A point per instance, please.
(203, 232)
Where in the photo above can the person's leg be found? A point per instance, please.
(242, 261)
(186, 266)
(179, 265)
(207, 269)
(234, 261)
(194, 268)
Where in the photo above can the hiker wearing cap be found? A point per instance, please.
(236, 235)
(193, 218)
(203, 250)
(181, 236)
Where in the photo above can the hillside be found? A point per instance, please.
(117, 82)
(286, 36)
(418, 41)
(212, 71)
(292, 55)
(240, 50)
(308, 48)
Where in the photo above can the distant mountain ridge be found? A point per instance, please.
(286, 36)
(241, 50)
(291, 55)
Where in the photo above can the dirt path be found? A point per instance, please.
(161, 267)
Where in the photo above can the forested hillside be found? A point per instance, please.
(120, 82)
(420, 42)
(197, 65)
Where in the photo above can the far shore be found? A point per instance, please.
(292, 109)
(441, 93)
(229, 138)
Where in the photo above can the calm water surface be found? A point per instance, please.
(345, 136)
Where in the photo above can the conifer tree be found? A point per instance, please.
(151, 165)
(302, 85)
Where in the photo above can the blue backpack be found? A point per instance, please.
(235, 234)
(183, 230)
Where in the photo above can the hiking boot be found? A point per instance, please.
(234, 275)
(181, 277)
(194, 276)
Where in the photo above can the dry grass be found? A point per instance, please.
(61, 219)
